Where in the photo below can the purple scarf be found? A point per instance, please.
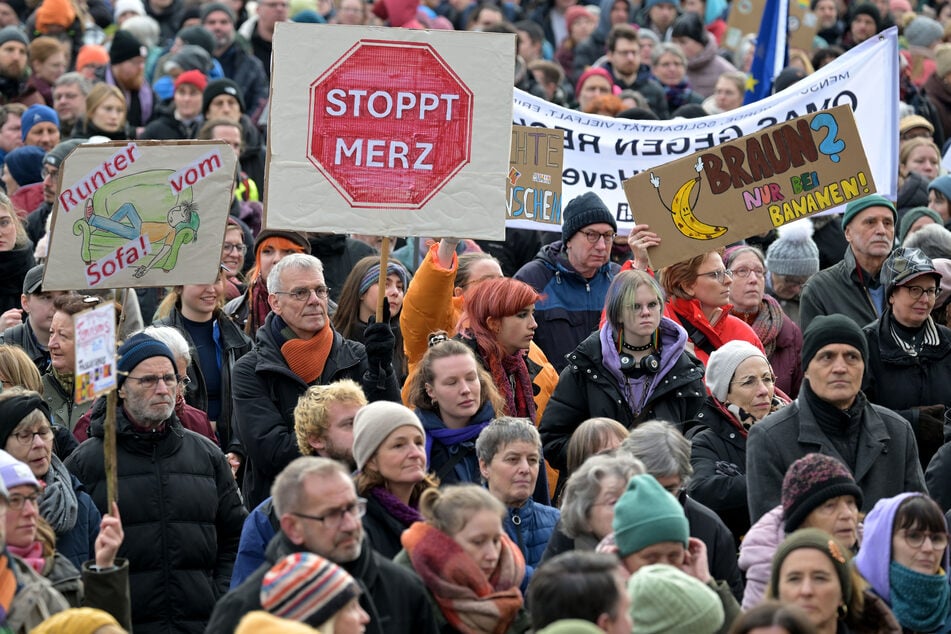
(406, 515)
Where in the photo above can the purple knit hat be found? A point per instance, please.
(809, 482)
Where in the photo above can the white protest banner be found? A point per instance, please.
(389, 132)
(95, 345)
(602, 152)
(128, 214)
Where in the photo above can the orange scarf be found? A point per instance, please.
(306, 358)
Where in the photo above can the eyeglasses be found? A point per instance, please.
(719, 275)
(743, 273)
(791, 280)
(303, 294)
(150, 381)
(25, 437)
(917, 291)
(49, 172)
(230, 248)
(594, 236)
(17, 501)
(753, 381)
(333, 519)
(916, 538)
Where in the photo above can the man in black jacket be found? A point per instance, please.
(179, 502)
(319, 512)
(33, 335)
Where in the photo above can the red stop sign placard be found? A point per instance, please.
(389, 124)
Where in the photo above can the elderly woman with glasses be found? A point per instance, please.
(742, 392)
(781, 338)
(904, 558)
(27, 435)
(909, 360)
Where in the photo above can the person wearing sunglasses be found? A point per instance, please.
(909, 355)
(174, 486)
(904, 558)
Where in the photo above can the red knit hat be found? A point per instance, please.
(194, 77)
(91, 54)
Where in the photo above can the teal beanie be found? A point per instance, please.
(648, 514)
(857, 206)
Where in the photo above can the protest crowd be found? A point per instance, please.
(542, 434)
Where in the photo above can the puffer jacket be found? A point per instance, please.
(704, 69)
(570, 308)
(756, 554)
(79, 543)
(530, 527)
(182, 516)
(586, 390)
(265, 393)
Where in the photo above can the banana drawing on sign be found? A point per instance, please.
(682, 208)
(728, 192)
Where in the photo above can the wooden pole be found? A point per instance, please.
(109, 440)
(381, 284)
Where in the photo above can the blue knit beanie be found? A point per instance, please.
(25, 164)
(137, 349)
(37, 113)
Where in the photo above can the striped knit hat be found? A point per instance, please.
(307, 588)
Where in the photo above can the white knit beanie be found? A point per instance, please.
(374, 422)
(723, 363)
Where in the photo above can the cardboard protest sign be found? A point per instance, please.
(379, 131)
(95, 346)
(139, 214)
(744, 18)
(602, 152)
(748, 186)
(803, 26)
(534, 181)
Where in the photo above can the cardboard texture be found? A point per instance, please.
(748, 186)
(803, 26)
(533, 187)
(139, 214)
(744, 18)
(389, 132)
(95, 352)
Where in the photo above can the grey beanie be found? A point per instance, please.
(923, 32)
(586, 209)
(374, 422)
(723, 363)
(794, 253)
(58, 154)
(14, 33)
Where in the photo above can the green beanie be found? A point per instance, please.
(823, 542)
(912, 216)
(571, 626)
(860, 205)
(648, 514)
(665, 600)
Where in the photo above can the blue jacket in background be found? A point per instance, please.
(530, 527)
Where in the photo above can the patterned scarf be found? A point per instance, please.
(920, 602)
(8, 587)
(395, 507)
(59, 505)
(512, 378)
(766, 323)
(258, 306)
(676, 95)
(470, 602)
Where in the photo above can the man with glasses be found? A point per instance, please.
(69, 100)
(298, 347)
(833, 416)
(573, 275)
(852, 287)
(316, 506)
(36, 220)
(629, 70)
(179, 501)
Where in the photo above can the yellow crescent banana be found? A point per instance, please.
(684, 219)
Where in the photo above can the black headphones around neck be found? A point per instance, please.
(650, 364)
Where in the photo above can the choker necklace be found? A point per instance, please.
(628, 346)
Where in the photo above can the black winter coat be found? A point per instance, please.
(721, 550)
(586, 390)
(382, 530)
(182, 516)
(165, 127)
(265, 393)
(394, 597)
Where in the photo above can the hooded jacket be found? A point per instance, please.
(704, 69)
(265, 392)
(570, 308)
(586, 389)
(182, 517)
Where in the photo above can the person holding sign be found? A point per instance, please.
(297, 347)
(634, 368)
